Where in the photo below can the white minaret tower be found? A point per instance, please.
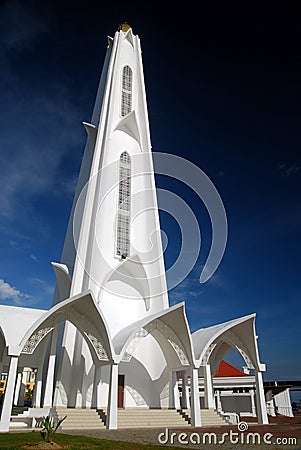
(114, 230)
(113, 244)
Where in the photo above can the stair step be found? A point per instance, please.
(78, 418)
(209, 417)
(150, 418)
(18, 410)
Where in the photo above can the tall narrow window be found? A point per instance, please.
(126, 94)
(124, 206)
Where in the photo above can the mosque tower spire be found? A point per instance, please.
(113, 249)
(113, 244)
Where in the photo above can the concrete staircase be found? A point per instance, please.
(209, 417)
(78, 418)
(150, 418)
(19, 410)
(92, 419)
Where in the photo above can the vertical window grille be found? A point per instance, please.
(124, 206)
(126, 94)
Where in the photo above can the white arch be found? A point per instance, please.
(170, 323)
(82, 311)
(238, 333)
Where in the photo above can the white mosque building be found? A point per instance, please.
(111, 341)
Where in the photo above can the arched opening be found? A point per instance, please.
(235, 359)
(90, 347)
(233, 380)
(152, 384)
(126, 91)
(124, 207)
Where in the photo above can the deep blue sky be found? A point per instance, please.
(223, 90)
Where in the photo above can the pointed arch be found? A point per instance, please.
(82, 312)
(124, 206)
(214, 342)
(126, 91)
(170, 329)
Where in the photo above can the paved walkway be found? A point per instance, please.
(277, 436)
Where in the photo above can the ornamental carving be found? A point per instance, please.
(98, 347)
(34, 340)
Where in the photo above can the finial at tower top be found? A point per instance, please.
(124, 27)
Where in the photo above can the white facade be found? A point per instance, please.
(110, 338)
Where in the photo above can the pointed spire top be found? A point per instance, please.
(124, 27)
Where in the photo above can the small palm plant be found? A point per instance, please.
(49, 427)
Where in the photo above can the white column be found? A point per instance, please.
(112, 417)
(96, 401)
(17, 387)
(185, 391)
(271, 408)
(253, 407)
(22, 388)
(38, 388)
(208, 388)
(218, 402)
(195, 398)
(174, 398)
(260, 399)
(48, 397)
(9, 394)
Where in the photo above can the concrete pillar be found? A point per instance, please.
(96, 400)
(17, 387)
(208, 388)
(37, 393)
(218, 402)
(253, 407)
(76, 397)
(9, 394)
(66, 347)
(22, 388)
(48, 397)
(174, 397)
(185, 391)
(195, 399)
(260, 399)
(112, 418)
(271, 408)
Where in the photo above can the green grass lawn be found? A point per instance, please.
(14, 441)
